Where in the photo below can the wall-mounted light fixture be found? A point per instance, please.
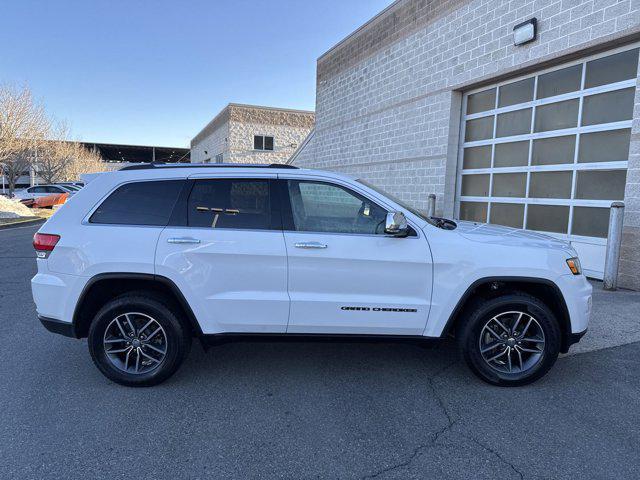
(525, 32)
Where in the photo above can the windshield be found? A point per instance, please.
(395, 199)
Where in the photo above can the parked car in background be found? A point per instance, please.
(71, 185)
(39, 191)
(48, 201)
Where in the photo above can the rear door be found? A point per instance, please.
(225, 250)
(345, 274)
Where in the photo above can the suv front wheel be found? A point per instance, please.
(510, 340)
(137, 340)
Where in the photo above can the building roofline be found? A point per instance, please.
(210, 123)
(225, 111)
(274, 109)
(361, 28)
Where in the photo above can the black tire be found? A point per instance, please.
(482, 311)
(176, 333)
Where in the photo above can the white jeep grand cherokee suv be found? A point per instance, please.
(145, 258)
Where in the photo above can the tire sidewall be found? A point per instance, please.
(177, 345)
(484, 312)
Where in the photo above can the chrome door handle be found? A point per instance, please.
(183, 240)
(310, 245)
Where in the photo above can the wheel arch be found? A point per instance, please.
(103, 287)
(490, 287)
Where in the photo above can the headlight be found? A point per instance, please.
(574, 265)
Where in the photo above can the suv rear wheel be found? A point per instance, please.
(510, 340)
(137, 340)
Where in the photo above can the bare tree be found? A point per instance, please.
(23, 125)
(84, 161)
(56, 154)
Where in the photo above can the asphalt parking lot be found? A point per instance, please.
(302, 410)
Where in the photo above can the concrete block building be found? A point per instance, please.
(251, 134)
(535, 127)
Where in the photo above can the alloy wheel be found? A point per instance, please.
(135, 343)
(512, 342)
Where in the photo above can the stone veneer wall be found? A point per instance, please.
(389, 96)
(289, 129)
(232, 132)
(214, 143)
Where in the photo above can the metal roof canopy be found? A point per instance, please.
(139, 153)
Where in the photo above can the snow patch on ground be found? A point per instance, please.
(12, 208)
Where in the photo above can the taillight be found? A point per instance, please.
(44, 243)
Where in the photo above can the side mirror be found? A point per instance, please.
(396, 224)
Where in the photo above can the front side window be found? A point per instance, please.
(323, 207)
(263, 142)
(231, 203)
(139, 203)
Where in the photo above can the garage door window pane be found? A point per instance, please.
(557, 116)
(513, 154)
(550, 185)
(608, 107)
(553, 151)
(509, 214)
(475, 185)
(509, 184)
(611, 69)
(481, 101)
(548, 218)
(590, 222)
(477, 157)
(514, 123)
(559, 82)
(516, 92)
(608, 146)
(473, 211)
(601, 184)
(479, 129)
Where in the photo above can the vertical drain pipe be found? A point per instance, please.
(614, 240)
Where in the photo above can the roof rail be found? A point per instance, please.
(152, 165)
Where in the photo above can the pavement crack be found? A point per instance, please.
(435, 436)
(498, 456)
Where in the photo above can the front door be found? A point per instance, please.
(228, 255)
(345, 274)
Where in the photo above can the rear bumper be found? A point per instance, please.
(56, 326)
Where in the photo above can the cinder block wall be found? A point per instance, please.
(388, 97)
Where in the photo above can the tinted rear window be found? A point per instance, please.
(242, 204)
(139, 203)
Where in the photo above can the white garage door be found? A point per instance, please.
(548, 152)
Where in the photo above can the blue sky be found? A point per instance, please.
(155, 72)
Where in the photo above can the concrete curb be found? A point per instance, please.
(21, 223)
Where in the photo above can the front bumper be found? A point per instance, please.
(56, 326)
(576, 337)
